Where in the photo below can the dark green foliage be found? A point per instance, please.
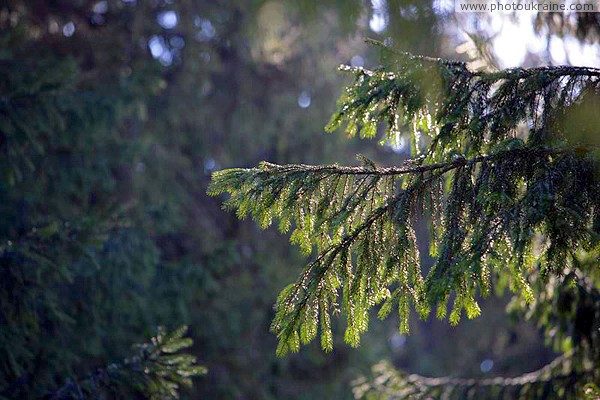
(508, 192)
(76, 279)
(156, 371)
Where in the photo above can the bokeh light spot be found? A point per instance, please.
(486, 365)
(304, 99)
(380, 19)
(69, 29)
(357, 61)
(167, 19)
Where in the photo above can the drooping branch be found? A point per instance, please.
(442, 106)
(503, 185)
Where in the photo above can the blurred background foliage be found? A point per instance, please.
(113, 115)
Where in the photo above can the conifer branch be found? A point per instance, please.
(389, 383)
(157, 371)
(488, 188)
(409, 168)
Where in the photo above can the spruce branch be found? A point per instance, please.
(157, 371)
(408, 168)
(437, 103)
(489, 187)
(556, 376)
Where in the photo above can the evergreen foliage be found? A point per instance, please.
(568, 309)
(156, 371)
(555, 380)
(76, 278)
(510, 189)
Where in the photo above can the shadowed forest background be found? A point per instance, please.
(114, 114)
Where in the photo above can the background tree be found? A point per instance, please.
(62, 229)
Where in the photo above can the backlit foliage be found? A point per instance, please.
(156, 371)
(505, 189)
